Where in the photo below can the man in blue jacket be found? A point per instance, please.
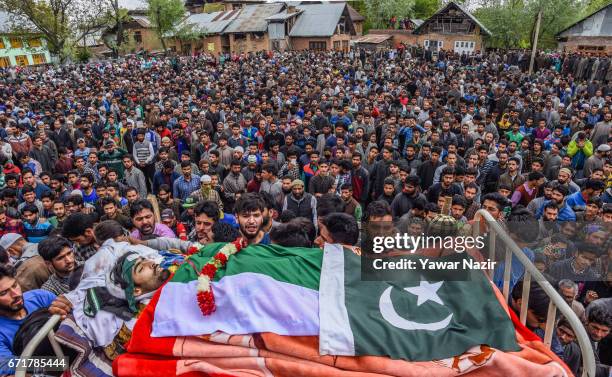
(15, 307)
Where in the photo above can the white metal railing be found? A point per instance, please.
(496, 231)
(45, 331)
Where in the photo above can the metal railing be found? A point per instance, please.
(497, 232)
(45, 331)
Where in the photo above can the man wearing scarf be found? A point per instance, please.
(206, 192)
(107, 313)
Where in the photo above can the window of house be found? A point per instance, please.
(16, 42)
(426, 43)
(239, 36)
(4, 62)
(257, 35)
(2, 43)
(39, 58)
(138, 36)
(440, 44)
(34, 42)
(337, 45)
(317, 45)
(22, 60)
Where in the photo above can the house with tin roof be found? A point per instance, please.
(251, 26)
(22, 46)
(211, 27)
(591, 34)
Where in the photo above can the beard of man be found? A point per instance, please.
(250, 234)
(13, 307)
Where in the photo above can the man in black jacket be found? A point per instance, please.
(404, 201)
(380, 172)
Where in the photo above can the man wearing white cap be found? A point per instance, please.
(206, 192)
(31, 270)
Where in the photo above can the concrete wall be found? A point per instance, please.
(11, 54)
(574, 44)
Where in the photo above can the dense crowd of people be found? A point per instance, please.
(107, 166)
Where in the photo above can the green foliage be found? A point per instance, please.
(189, 32)
(83, 55)
(213, 7)
(513, 23)
(379, 12)
(593, 6)
(165, 15)
(424, 9)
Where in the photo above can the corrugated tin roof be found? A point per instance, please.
(443, 9)
(283, 15)
(252, 18)
(142, 21)
(6, 24)
(212, 23)
(597, 24)
(373, 38)
(317, 20)
(417, 21)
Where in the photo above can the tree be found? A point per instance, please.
(423, 9)
(63, 23)
(165, 15)
(513, 22)
(189, 32)
(507, 24)
(380, 12)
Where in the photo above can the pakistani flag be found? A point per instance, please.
(307, 292)
(417, 318)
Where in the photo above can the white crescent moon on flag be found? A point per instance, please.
(390, 315)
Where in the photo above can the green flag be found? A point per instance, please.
(417, 318)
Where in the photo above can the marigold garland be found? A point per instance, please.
(206, 297)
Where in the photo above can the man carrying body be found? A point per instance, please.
(58, 254)
(15, 307)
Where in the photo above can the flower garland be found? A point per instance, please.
(206, 297)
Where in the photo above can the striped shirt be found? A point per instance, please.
(143, 152)
(37, 232)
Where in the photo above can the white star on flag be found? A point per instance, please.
(426, 292)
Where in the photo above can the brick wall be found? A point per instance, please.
(249, 44)
(303, 43)
(573, 43)
(448, 40)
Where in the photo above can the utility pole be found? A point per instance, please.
(535, 42)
